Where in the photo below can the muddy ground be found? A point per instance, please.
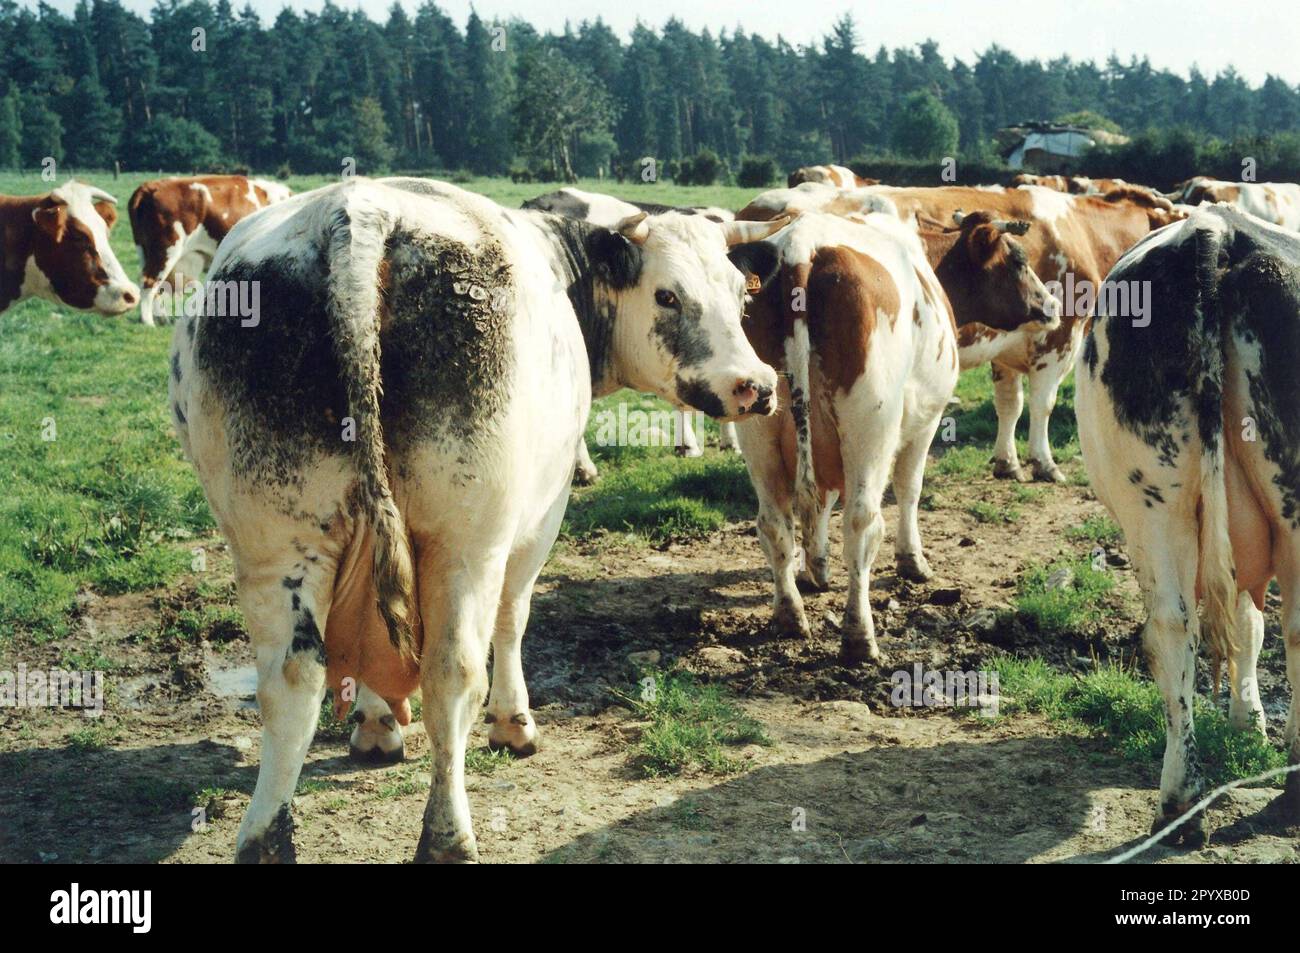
(848, 778)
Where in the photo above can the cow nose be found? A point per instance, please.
(746, 393)
(763, 406)
(130, 298)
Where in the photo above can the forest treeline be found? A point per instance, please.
(203, 86)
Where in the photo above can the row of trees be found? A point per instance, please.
(199, 85)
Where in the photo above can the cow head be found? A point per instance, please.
(71, 250)
(988, 278)
(679, 301)
(1160, 211)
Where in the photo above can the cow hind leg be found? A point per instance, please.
(909, 477)
(512, 723)
(459, 608)
(1169, 640)
(1245, 710)
(868, 456)
(1290, 585)
(376, 737)
(285, 613)
(1008, 401)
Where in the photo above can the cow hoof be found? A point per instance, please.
(817, 577)
(1047, 473)
(517, 734)
(1191, 834)
(1006, 470)
(377, 755)
(789, 621)
(584, 477)
(683, 451)
(462, 851)
(1291, 798)
(376, 740)
(273, 846)
(859, 651)
(913, 566)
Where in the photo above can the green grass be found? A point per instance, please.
(1069, 608)
(1095, 529)
(691, 725)
(1127, 711)
(991, 513)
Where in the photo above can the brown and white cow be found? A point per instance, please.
(55, 246)
(1190, 431)
(839, 176)
(1074, 184)
(862, 329)
(1276, 202)
(178, 223)
(1073, 241)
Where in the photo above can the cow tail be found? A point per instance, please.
(357, 237)
(798, 354)
(1217, 572)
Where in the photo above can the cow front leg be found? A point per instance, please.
(686, 444)
(1245, 710)
(815, 524)
(584, 469)
(1043, 385)
(1008, 401)
(760, 441)
(459, 608)
(376, 736)
(727, 439)
(285, 612)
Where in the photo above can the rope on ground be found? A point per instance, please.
(1194, 809)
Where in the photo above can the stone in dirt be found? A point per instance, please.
(647, 658)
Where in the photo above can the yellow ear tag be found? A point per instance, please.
(752, 284)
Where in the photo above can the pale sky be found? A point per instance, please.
(1258, 37)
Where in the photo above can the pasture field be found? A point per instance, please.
(753, 748)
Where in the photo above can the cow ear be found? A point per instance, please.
(616, 259)
(982, 242)
(108, 212)
(52, 220)
(757, 261)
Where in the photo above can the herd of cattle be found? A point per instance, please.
(389, 448)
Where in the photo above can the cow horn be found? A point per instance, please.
(739, 232)
(958, 215)
(99, 195)
(634, 228)
(1015, 228)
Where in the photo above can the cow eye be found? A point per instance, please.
(666, 299)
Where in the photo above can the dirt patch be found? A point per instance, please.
(849, 776)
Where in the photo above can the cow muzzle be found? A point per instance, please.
(115, 299)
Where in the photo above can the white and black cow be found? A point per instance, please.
(608, 211)
(55, 246)
(388, 447)
(1190, 430)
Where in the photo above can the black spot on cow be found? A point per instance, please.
(278, 378)
(759, 259)
(176, 366)
(699, 395)
(180, 415)
(682, 334)
(445, 358)
(592, 263)
(306, 634)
